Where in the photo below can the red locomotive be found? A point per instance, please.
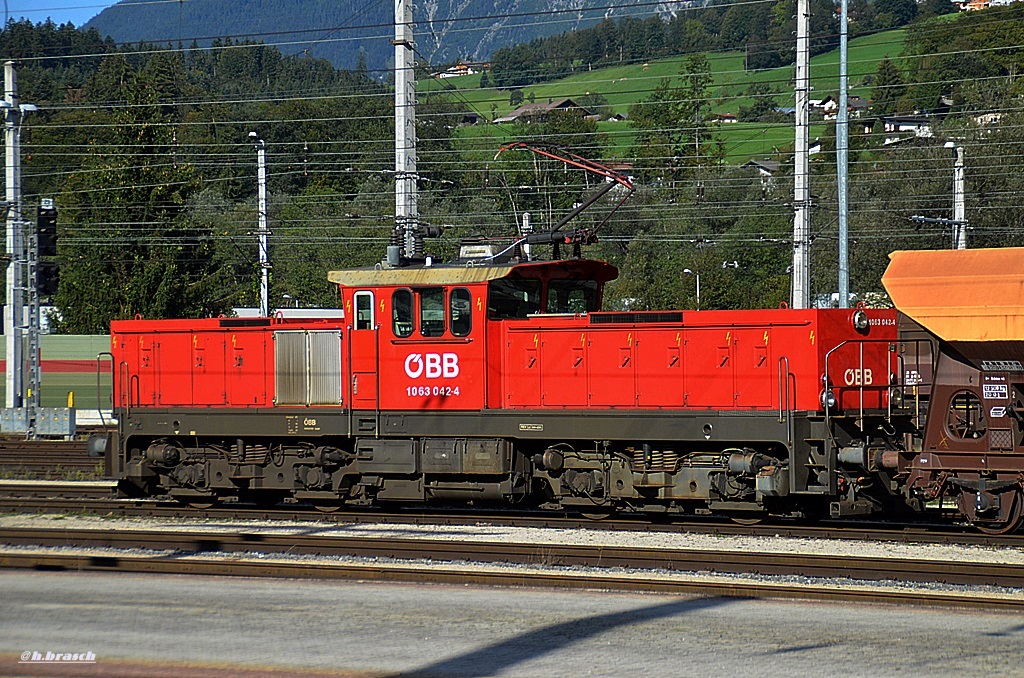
(499, 379)
(485, 381)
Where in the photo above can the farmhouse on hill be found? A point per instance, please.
(541, 111)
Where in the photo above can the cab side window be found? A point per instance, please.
(513, 298)
(401, 313)
(364, 310)
(432, 311)
(572, 296)
(460, 312)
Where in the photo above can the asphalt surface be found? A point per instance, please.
(176, 625)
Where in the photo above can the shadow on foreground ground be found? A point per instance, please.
(489, 660)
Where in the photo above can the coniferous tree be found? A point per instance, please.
(888, 87)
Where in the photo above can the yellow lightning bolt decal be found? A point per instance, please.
(629, 339)
(583, 338)
(679, 336)
(766, 336)
(812, 337)
(536, 339)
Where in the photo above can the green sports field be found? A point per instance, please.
(58, 351)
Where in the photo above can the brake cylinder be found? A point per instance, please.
(163, 454)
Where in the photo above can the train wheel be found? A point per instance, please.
(1011, 524)
(326, 505)
(748, 519)
(195, 499)
(598, 513)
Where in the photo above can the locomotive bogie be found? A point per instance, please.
(690, 471)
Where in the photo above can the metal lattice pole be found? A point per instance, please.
(33, 349)
(801, 178)
(13, 311)
(406, 209)
(263, 232)
(842, 160)
(959, 207)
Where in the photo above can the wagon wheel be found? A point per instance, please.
(1013, 521)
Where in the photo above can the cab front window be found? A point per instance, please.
(432, 311)
(401, 313)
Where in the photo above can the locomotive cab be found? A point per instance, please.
(557, 287)
(420, 335)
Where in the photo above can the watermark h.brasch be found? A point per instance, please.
(30, 657)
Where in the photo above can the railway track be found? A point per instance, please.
(55, 491)
(95, 498)
(648, 569)
(42, 459)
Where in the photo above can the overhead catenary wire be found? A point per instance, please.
(665, 158)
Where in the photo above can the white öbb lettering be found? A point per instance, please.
(858, 377)
(432, 365)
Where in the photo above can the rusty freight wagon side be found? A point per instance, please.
(972, 301)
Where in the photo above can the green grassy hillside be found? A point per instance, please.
(623, 86)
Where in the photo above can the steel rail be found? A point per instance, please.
(45, 458)
(82, 500)
(58, 491)
(968, 573)
(446, 574)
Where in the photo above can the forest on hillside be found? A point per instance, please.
(764, 31)
(147, 155)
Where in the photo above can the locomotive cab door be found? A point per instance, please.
(365, 355)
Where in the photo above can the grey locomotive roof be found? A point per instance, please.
(446, 274)
(427, 275)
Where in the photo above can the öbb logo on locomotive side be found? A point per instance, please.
(432, 365)
(860, 377)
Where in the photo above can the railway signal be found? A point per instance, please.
(47, 271)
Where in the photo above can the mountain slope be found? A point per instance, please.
(445, 29)
(622, 86)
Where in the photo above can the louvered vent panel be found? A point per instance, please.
(325, 367)
(290, 368)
